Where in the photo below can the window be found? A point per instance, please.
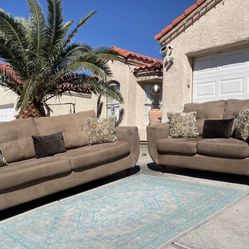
(113, 106)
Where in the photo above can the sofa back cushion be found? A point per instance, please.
(73, 127)
(234, 106)
(16, 139)
(207, 110)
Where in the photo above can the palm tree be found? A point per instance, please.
(43, 62)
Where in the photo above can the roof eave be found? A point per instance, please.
(183, 21)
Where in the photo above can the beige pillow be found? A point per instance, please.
(242, 124)
(183, 124)
(101, 130)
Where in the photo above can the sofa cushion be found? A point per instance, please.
(15, 139)
(207, 110)
(73, 126)
(184, 146)
(31, 171)
(234, 106)
(94, 155)
(221, 147)
(49, 145)
(75, 139)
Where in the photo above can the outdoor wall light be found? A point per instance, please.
(164, 49)
(155, 89)
(169, 58)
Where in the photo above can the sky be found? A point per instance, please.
(128, 24)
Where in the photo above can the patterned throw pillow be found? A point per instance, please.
(3, 161)
(101, 130)
(242, 125)
(183, 124)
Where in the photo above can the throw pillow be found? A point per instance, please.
(101, 130)
(49, 145)
(242, 124)
(219, 128)
(183, 124)
(3, 161)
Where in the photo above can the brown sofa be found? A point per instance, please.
(220, 155)
(26, 178)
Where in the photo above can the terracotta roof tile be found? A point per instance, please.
(133, 55)
(190, 9)
(156, 65)
(9, 71)
(179, 19)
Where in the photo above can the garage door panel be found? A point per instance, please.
(228, 79)
(232, 86)
(207, 89)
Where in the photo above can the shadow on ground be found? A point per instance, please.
(64, 194)
(201, 174)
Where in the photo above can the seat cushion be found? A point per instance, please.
(222, 147)
(94, 155)
(184, 146)
(32, 170)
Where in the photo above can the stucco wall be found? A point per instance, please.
(81, 103)
(222, 28)
(133, 96)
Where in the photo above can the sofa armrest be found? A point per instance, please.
(154, 133)
(130, 135)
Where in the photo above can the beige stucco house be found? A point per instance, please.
(134, 75)
(206, 54)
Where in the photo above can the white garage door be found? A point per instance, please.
(7, 112)
(221, 76)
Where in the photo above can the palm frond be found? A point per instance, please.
(56, 30)
(38, 28)
(10, 54)
(13, 29)
(81, 23)
(26, 95)
(107, 54)
(95, 85)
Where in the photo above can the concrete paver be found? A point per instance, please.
(228, 230)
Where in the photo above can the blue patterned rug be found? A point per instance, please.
(136, 212)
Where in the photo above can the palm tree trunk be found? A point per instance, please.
(32, 111)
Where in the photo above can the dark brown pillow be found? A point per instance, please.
(220, 128)
(49, 145)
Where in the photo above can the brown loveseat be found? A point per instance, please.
(26, 178)
(220, 155)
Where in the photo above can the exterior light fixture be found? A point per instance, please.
(155, 89)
